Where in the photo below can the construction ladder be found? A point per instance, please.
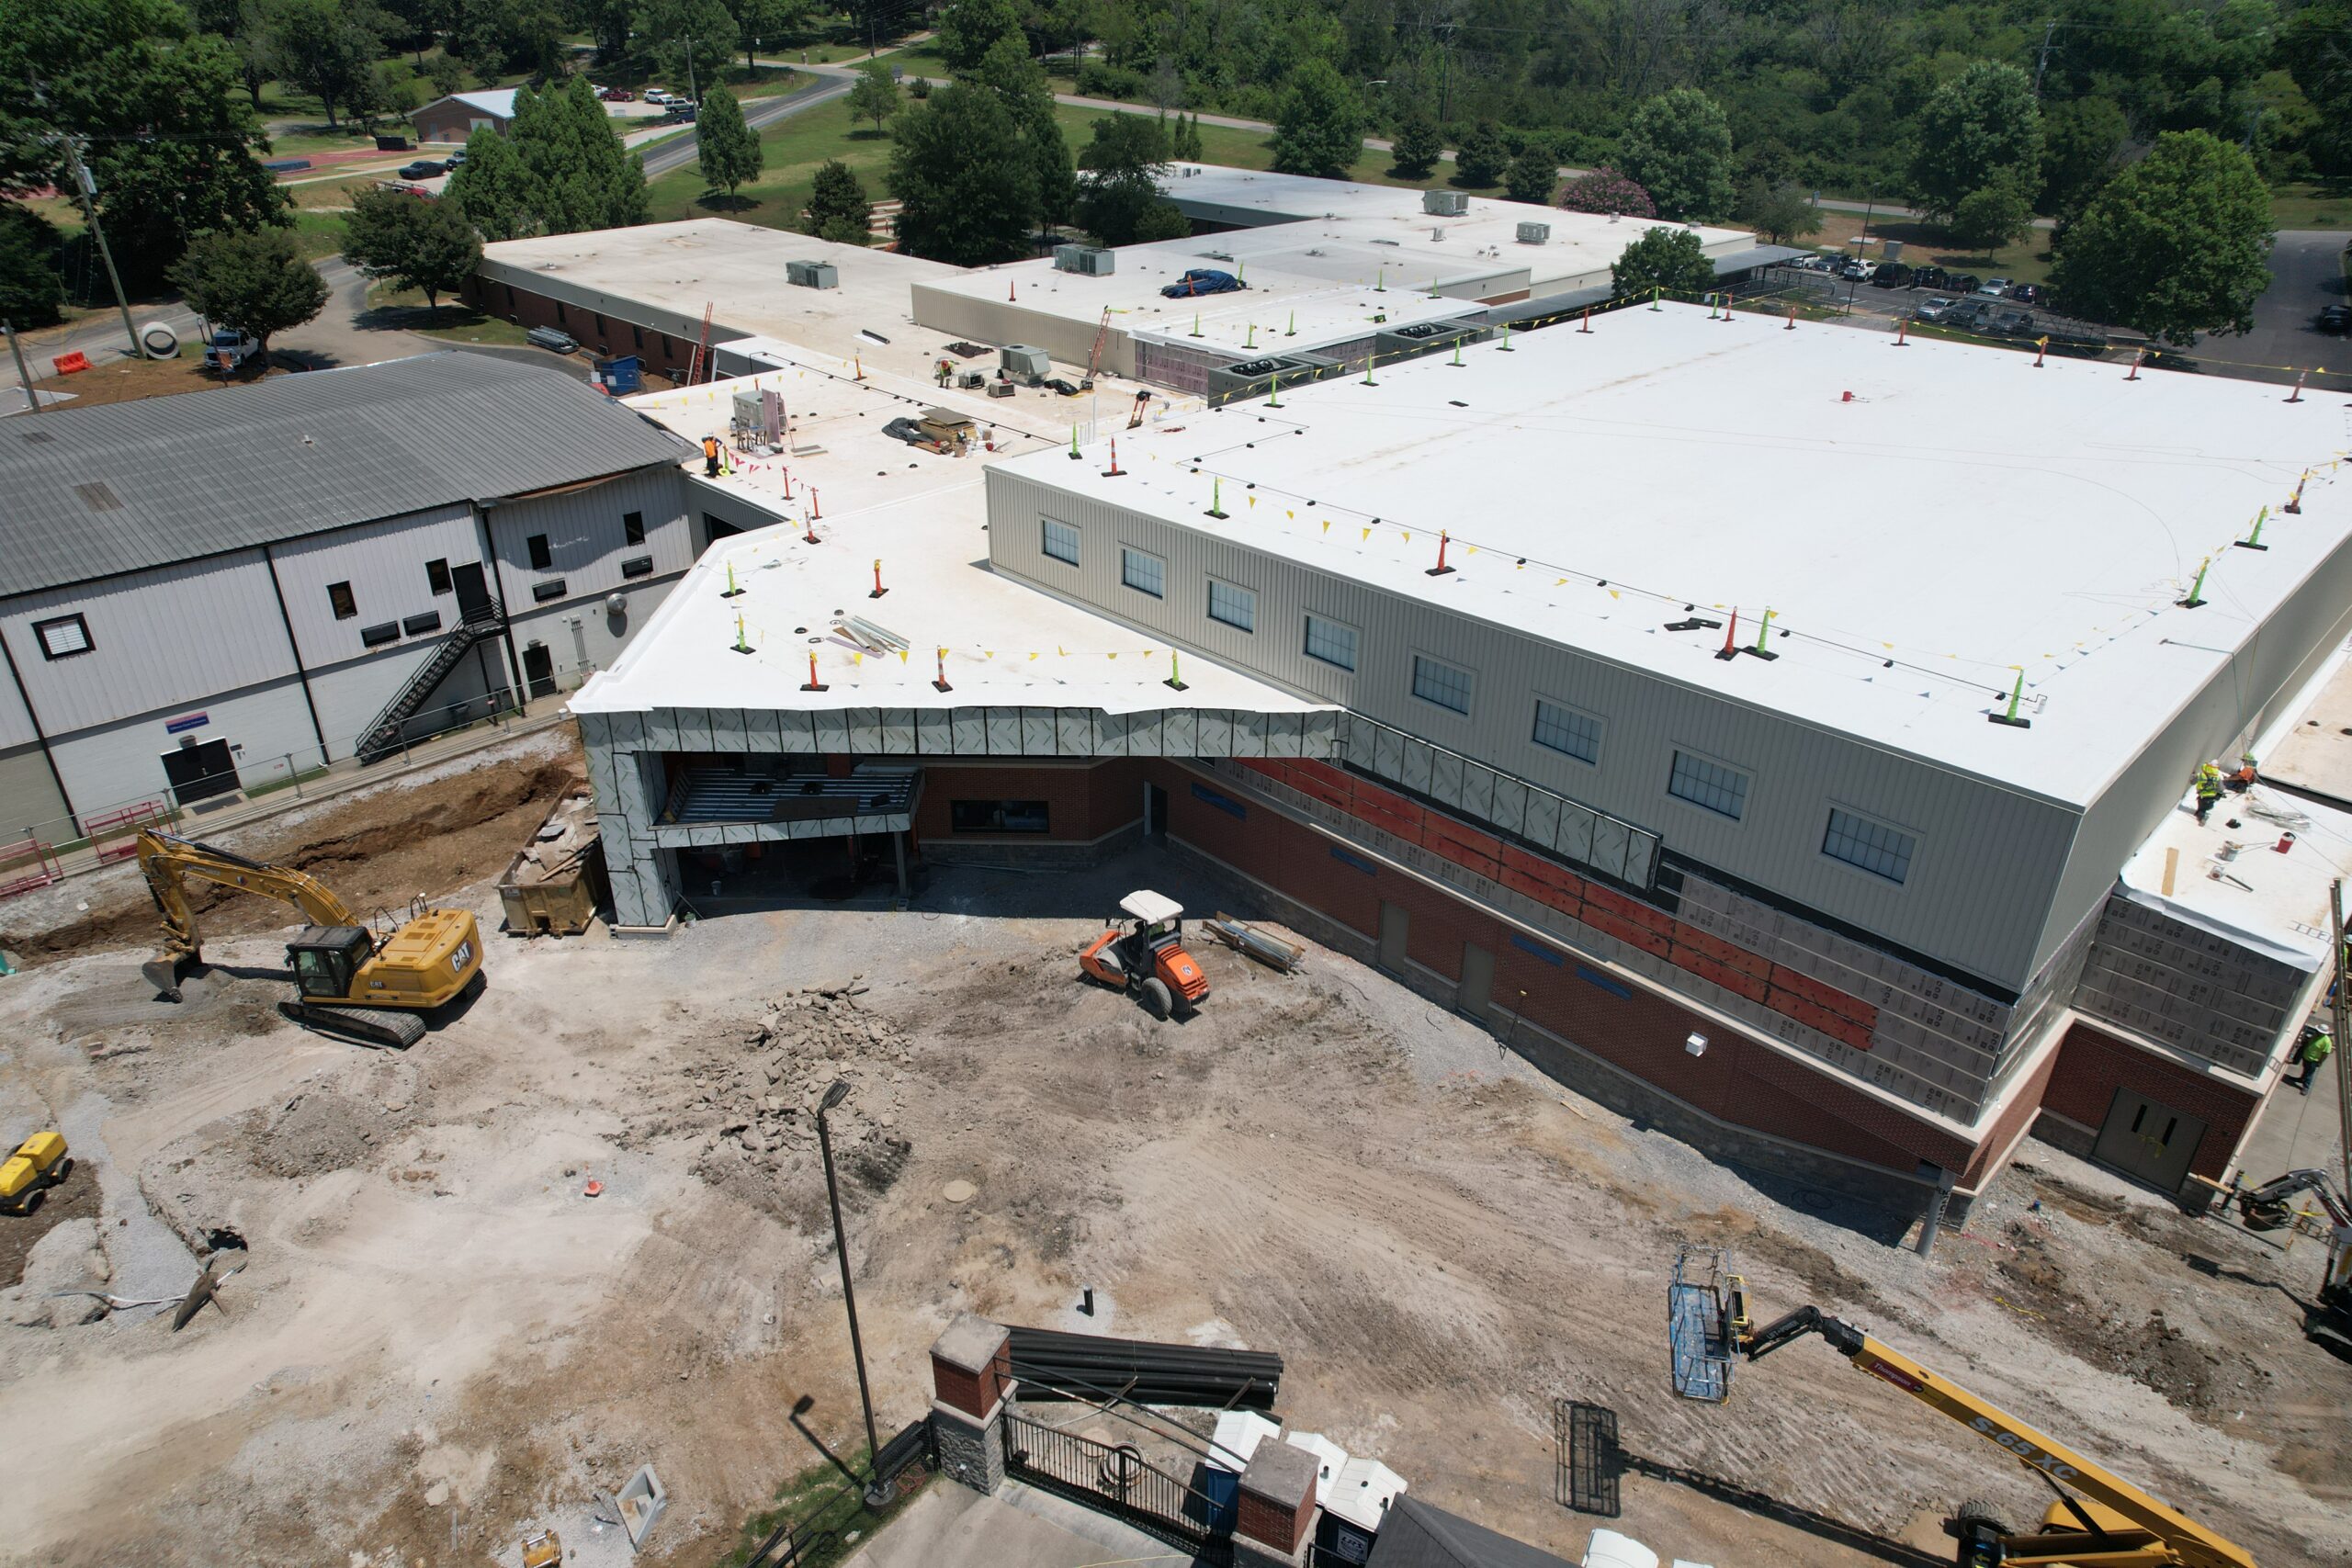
(1094, 356)
(700, 361)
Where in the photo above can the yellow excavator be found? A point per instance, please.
(2099, 1519)
(348, 981)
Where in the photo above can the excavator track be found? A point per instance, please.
(379, 1027)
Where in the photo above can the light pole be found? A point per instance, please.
(874, 1496)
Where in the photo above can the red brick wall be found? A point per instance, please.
(663, 356)
(2092, 1065)
(2020, 1114)
(1084, 802)
(974, 1393)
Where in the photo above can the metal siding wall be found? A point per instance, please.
(120, 763)
(1987, 858)
(384, 563)
(602, 634)
(15, 723)
(350, 696)
(29, 802)
(168, 636)
(583, 530)
(1002, 321)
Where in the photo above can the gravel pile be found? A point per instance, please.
(765, 1101)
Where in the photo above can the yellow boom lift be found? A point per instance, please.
(348, 981)
(2100, 1520)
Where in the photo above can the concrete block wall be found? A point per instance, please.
(2188, 989)
(2092, 1064)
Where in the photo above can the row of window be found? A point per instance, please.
(1714, 787)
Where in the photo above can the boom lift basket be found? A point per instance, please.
(1703, 1316)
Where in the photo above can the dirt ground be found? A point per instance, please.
(440, 1337)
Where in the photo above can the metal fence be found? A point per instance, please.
(1119, 1481)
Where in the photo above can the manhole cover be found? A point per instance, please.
(960, 1191)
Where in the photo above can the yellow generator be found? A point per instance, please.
(39, 1164)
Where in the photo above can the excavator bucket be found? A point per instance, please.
(166, 973)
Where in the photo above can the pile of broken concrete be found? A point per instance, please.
(804, 1042)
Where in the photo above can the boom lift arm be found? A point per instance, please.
(169, 863)
(2112, 1524)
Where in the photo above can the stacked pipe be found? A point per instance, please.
(1087, 1368)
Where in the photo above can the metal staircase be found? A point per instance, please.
(385, 735)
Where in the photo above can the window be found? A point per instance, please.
(632, 527)
(1060, 541)
(1874, 846)
(637, 566)
(339, 595)
(1144, 574)
(1711, 785)
(638, 333)
(1233, 606)
(437, 572)
(62, 637)
(541, 557)
(1330, 642)
(559, 313)
(1567, 731)
(1435, 680)
(422, 626)
(999, 817)
(552, 589)
(600, 321)
(380, 634)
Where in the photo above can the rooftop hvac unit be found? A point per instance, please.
(1445, 203)
(1021, 359)
(1091, 260)
(812, 274)
(1535, 233)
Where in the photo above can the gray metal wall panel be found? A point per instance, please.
(16, 721)
(1987, 860)
(585, 541)
(119, 764)
(173, 637)
(350, 696)
(384, 563)
(584, 635)
(29, 804)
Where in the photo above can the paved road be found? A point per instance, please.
(2305, 274)
(757, 113)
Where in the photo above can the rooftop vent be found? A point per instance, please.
(38, 436)
(1535, 233)
(812, 274)
(1091, 260)
(1445, 203)
(97, 497)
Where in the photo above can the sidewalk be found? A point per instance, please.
(2296, 1132)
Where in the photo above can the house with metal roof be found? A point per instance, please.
(204, 594)
(459, 116)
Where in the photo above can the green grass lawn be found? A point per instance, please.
(793, 147)
(319, 233)
(404, 309)
(2027, 261)
(2311, 206)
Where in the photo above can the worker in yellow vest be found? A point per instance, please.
(2318, 1046)
(2208, 790)
(710, 469)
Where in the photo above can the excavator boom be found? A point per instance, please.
(169, 863)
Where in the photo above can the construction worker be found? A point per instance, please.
(2318, 1046)
(710, 469)
(2242, 780)
(2208, 790)
(946, 371)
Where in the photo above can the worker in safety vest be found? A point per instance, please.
(2318, 1046)
(2242, 780)
(2208, 790)
(710, 468)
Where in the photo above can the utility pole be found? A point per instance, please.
(85, 189)
(2041, 61)
(32, 398)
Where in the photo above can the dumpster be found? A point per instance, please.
(621, 377)
(556, 884)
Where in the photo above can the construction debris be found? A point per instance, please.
(1264, 946)
(805, 1040)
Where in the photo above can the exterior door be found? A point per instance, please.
(2148, 1140)
(473, 593)
(199, 772)
(1476, 994)
(1155, 813)
(1394, 926)
(538, 670)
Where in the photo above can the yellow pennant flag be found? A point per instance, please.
(1367, 534)
(1288, 512)
(1615, 594)
(857, 658)
(1470, 551)
(1557, 581)
(1033, 659)
(989, 653)
(1060, 650)
(903, 655)
(1253, 501)
(1327, 525)
(1408, 538)
(1114, 656)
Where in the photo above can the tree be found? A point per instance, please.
(330, 48)
(1019, 83)
(838, 210)
(1992, 215)
(2083, 145)
(729, 149)
(495, 36)
(492, 188)
(257, 284)
(577, 176)
(1186, 144)
(1678, 146)
(688, 42)
(2177, 244)
(1418, 146)
(1320, 129)
(1980, 127)
(170, 136)
(448, 75)
(2316, 47)
(1119, 203)
(1533, 175)
(764, 19)
(873, 96)
(1606, 191)
(1668, 259)
(970, 29)
(957, 207)
(32, 294)
(1781, 214)
(1481, 158)
(421, 243)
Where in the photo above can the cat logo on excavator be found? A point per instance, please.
(1143, 954)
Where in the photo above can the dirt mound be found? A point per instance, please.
(427, 840)
(319, 1130)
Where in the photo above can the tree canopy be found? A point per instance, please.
(873, 96)
(1668, 259)
(577, 176)
(958, 208)
(1118, 199)
(970, 29)
(492, 188)
(838, 210)
(729, 151)
(1418, 144)
(1320, 129)
(2175, 245)
(257, 283)
(1533, 176)
(416, 242)
(1019, 83)
(1678, 146)
(1981, 129)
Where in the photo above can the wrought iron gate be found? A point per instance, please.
(1119, 1481)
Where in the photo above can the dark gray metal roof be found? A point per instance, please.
(1415, 1534)
(1762, 255)
(93, 492)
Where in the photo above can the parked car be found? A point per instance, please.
(555, 340)
(1935, 308)
(457, 161)
(1858, 270)
(1814, 264)
(2010, 324)
(1930, 278)
(1200, 281)
(617, 95)
(1959, 283)
(226, 351)
(1967, 314)
(2335, 319)
(2029, 294)
(656, 96)
(680, 113)
(1891, 275)
(423, 169)
(1993, 289)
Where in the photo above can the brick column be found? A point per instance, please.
(1276, 1517)
(971, 1377)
